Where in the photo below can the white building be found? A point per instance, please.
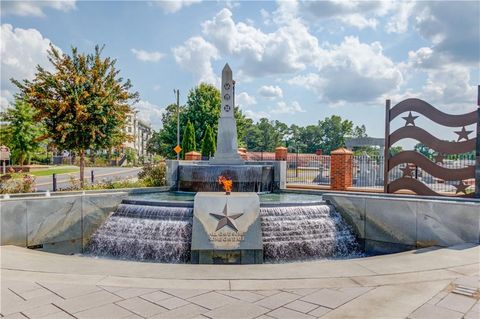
(140, 132)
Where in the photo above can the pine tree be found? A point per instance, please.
(83, 103)
(188, 142)
(208, 142)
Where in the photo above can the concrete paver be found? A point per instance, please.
(172, 303)
(301, 306)
(141, 307)
(456, 302)
(185, 312)
(285, 313)
(212, 300)
(102, 312)
(433, 312)
(277, 300)
(77, 304)
(237, 310)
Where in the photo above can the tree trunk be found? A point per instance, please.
(82, 168)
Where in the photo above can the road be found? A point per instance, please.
(44, 183)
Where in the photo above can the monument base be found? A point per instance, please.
(226, 229)
(232, 257)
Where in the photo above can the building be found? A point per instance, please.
(140, 132)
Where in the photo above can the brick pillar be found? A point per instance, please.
(281, 153)
(341, 169)
(193, 156)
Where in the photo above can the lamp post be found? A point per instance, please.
(177, 93)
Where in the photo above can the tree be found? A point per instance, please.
(23, 133)
(83, 103)
(208, 142)
(333, 131)
(188, 142)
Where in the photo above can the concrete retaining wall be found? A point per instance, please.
(61, 223)
(389, 224)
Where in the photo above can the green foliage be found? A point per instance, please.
(131, 155)
(188, 142)
(22, 134)
(424, 150)
(83, 103)
(154, 175)
(208, 142)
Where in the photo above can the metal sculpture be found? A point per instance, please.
(411, 160)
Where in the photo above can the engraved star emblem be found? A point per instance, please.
(410, 119)
(225, 220)
(439, 158)
(463, 134)
(407, 171)
(461, 187)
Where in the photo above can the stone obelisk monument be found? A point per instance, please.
(227, 150)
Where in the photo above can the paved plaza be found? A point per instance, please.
(429, 283)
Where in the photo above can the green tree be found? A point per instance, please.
(333, 131)
(188, 142)
(208, 142)
(83, 103)
(23, 133)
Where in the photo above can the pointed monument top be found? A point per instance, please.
(227, 67)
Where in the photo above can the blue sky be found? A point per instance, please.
(294, 61)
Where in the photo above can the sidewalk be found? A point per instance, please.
(430, 283)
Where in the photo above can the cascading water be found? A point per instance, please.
(305, 232)
(163, 233)
(140, 232)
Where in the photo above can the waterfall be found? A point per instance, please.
(305, 232)
(164, 233)
(140, 232)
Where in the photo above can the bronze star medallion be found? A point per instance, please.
(225, 220)
(407, 171)
(461, 187)
(463, 134)
(410, 119)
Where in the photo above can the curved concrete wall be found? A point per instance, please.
(389, 223)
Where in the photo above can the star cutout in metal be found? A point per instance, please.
(407, 171)
(463, 134)
(461, 187)
(438, 158)
(410, 119)
(225, 220)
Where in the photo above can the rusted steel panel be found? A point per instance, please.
(430, 112)
(431, 168)
(431, 141)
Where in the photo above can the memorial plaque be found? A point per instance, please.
(227, 228)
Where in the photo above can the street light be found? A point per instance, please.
(177, 93)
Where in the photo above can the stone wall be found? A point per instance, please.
(60, 224)
(388, 223)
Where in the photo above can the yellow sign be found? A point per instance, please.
(177, 149)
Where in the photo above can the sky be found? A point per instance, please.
(293, 61)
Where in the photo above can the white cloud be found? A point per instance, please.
(398, 22)
(21, 50)
(150, 113)
(244, 100)
(6, 98)
(359, 21)
(288, 49)
(196, 56)
(172, 6)
(270, 91)
(284, 108)
(146, 56)
(255, 116)
(35, 8)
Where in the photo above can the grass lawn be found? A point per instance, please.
(56, 170)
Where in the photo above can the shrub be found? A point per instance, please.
(154, 175)
(24, 184)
